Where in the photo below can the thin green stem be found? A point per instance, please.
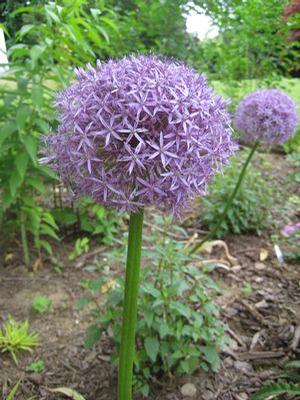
(24, 240)
(130, 306)
(229, 201)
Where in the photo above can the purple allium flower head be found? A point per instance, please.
(140, 131)
(268, 115)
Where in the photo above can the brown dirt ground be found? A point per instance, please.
(260, 304)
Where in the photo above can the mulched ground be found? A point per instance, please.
(260, 304)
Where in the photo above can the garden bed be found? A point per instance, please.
(260, 303)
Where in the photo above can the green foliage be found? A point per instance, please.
(41, 304)
(252, 40)
(15, 337)
(81, 246)
(250, 211)
(52, 40)
(178, 329)
(293, 145)
(37, 366)
(275, 390)
(90, 218)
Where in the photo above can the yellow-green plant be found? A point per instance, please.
(15, 337)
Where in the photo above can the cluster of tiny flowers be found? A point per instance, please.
(139, 131)
(268, 115)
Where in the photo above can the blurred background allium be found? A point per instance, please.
(268, 115)
(140, 131)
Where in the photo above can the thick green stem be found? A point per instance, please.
(229, 201)
(24, 239)
(130, 306)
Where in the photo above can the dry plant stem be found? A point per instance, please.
(130, 306)
(213, 232)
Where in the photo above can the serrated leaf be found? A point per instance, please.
(30, 144)
(37, 96)
(92, 335)
(35, 53)
(21, 162)
(152, 347)
(21, 116)
(15, 181)
(7, 130)
(211, 356)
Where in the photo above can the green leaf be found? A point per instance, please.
(82, 302)
(7, 130)
(276, 389)
(36, 184)
(14, 389)
(212, 357)
(21, 161)
(30, 144)
(93, 334)
(163, 330)
(35, 53)
(15, 182)
(152, 347)
(25, 29)
(46, 245)
(37, 96)
(22, 116)
(47, 230)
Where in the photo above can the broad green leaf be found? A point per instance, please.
(35, 53)
(152, 347)
(93, 334)
(37, 96)
(163, 330)
(7, 130)
(212, 356)
(15, 181)
(36, 183)
(21, 117)
(30, 144)
(21, 161)
(7, 198)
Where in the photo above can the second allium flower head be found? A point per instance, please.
(140, 131)
(268, 115)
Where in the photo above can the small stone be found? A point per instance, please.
(260, 266)
(236, 268)
(259, 279)
(188, 390)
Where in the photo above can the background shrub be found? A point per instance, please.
(250, 211)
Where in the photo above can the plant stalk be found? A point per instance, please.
(130, 306)
(213, 231)
(24, 240)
